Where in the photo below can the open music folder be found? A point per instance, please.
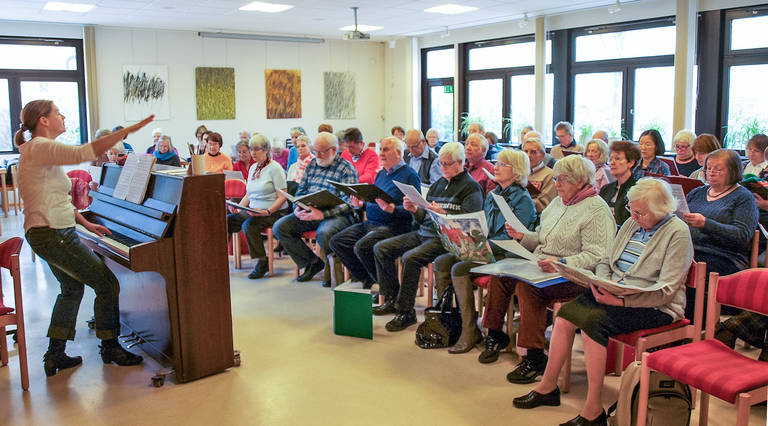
(363, 191)
(134, 177)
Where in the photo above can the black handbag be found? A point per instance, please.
(442, 325)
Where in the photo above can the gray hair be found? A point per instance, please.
(278, 143)
(480, 138)
(241, 143)
(535, 140)
(601, 146)
(120, 147)
(259, 141)
(477, 123)
(432, 132)
(165, 138)
(684, 135)
(399, 145)
(306, 139)
(564, 125)
(658, 194)
(518, 161)
(157, 131)
(330, 138)
(297, 129)
(577, 169)
(455, 150)
(101, 133)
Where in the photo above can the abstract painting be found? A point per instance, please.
(339, 95)
(145, 92)
(215, 90)
(283, 93)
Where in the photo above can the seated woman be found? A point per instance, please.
(165, 153)
(624, 156)
(264, 179)
(756, 154)
(493, 146)
(723, 217)
(433, 139)
(652, 250)
(651, 145)
(279, 153)
(244, 161)
(597, 152)
(685, 161)
(702, 146)
(576, 228)
(475, 148)
(116, 154)
(304, 147)
(215, 160)
(103, 157)
(511, 175)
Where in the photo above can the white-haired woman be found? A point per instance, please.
(652, 250)
(433, 139)
(116, 154)
(264, 179)
(475, 148)
(511, 175)
(279, 153)
(304, 148)
(597, 152)
(684, 159)
(541, 176)
(577, 228)
(165, 154)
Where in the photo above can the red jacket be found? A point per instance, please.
(367, 165)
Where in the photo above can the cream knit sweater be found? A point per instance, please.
(582, 233)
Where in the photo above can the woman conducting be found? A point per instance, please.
(49, 222)
(652, 250)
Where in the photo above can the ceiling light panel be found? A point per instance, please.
(361, 27)
(450, 9)
(258, 6)
(68, 7)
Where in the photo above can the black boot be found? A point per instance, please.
(111, 351)
(55, 359)
(261, 269)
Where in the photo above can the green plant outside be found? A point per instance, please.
(738, 134)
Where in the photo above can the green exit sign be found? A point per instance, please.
(447, 89)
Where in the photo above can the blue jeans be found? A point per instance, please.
(75, 266)
(288, 230)
(354, 247)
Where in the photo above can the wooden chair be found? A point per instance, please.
(709, 365)
(9, 259)
(14, 188)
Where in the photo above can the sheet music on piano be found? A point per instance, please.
(132, 184)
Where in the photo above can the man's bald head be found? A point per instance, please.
(415, 142)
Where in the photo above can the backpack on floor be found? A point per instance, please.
(669, 401)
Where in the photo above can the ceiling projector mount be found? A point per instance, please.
(355, 34)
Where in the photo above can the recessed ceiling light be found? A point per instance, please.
(68, 7)
(259, 6)
(361, 27)
(450, 9)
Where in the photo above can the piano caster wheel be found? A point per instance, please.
(237, 358)
(158, 381)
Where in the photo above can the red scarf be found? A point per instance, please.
(585, 192)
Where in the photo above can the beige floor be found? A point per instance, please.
(294, 371)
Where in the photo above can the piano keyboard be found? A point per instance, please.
(117, 242)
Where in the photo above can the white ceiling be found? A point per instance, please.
(308, 17)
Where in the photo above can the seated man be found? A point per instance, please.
(328, 166)
(454, 193)
(354, 245)
(365, 160)
(541, 176)
(421, 158)
(564, 133)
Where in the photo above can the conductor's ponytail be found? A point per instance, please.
(30, 115)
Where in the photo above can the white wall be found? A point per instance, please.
(400, 90)
(183, 51)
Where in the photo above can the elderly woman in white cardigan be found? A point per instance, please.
(576, 228)
(653, 250)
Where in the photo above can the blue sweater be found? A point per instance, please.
(400, 219)
(731, 222)
(519, 200)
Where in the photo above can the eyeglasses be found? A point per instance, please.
(531, 151)
(447, 163)
(325, 151)
(682, 146)
(636, 213)
(714, 171)
(561, 179)
(501, 164)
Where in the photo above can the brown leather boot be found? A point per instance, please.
(470, 333)
(442, 283)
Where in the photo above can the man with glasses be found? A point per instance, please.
(541, 176)
(365, 160)
(327, 166)
(421, 158)
(454, 193)
(564, 133)
(685, 160)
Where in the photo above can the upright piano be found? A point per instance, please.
(170, 255)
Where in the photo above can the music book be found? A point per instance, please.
(321, 200)
(687, 183)
(248, 209)
(568, 152)
(363, 191)
(756, 188)
(521, 269)
(509, 215)
(532, 189)
(134, 177)
(584, 278)
(682, 204)
(464, 235)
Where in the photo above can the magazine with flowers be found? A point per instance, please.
(465, 235)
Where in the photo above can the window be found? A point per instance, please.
(749, 33)
(485, 103)
(654, 99)
(597, 104)
(506, 56)
(438, 69)
(42, 69)
(523, 104)
(626, 44)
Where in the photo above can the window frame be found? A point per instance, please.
(16, 76)
(428, 83)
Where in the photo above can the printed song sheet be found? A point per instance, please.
(413, 194)
(508, 214)
(682, 203)
(134, 177)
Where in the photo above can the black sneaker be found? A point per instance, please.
(384, 309)
(402, 320)
(527, 371)
(261, 269)
(493, 346)
(311, 270)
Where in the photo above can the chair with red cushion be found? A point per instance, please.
(79, 173)
(9, 259)
(709, 365)
(235, 188)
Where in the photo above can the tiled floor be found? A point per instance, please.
(294, 371)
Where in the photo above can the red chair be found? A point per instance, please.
(9, 259)
(235, 188)
(709, 365)
(672, 166)
(79, 173)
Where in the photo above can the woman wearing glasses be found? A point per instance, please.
(511, 175)
(651, 146)
(723, 217)
(685, 160)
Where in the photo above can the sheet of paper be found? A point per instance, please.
(489, 174)
(508, 214)
(762, 229)
(132, 183)
(679, 195)
(515, 248)
(584, 278)
(233, 174)
(424, 190)
(413, 194)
